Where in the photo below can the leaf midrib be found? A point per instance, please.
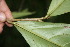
(36, 34)
(55, 8)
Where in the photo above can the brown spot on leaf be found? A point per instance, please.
(66, 27)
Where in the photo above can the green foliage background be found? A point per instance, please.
(11, 38)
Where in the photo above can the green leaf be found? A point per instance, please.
(43, 34)
(59, 7)
(21, 14)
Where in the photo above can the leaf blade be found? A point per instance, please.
(59, 7)
(46, 32)
(21, 14)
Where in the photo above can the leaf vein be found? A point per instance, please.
(37, 35)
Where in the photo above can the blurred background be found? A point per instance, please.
(27, 9)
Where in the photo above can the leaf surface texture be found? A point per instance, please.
(43, 34)
(58, 7)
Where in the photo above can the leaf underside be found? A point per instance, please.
(43, 34)
(59, 7)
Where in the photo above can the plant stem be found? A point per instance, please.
(28, 19)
